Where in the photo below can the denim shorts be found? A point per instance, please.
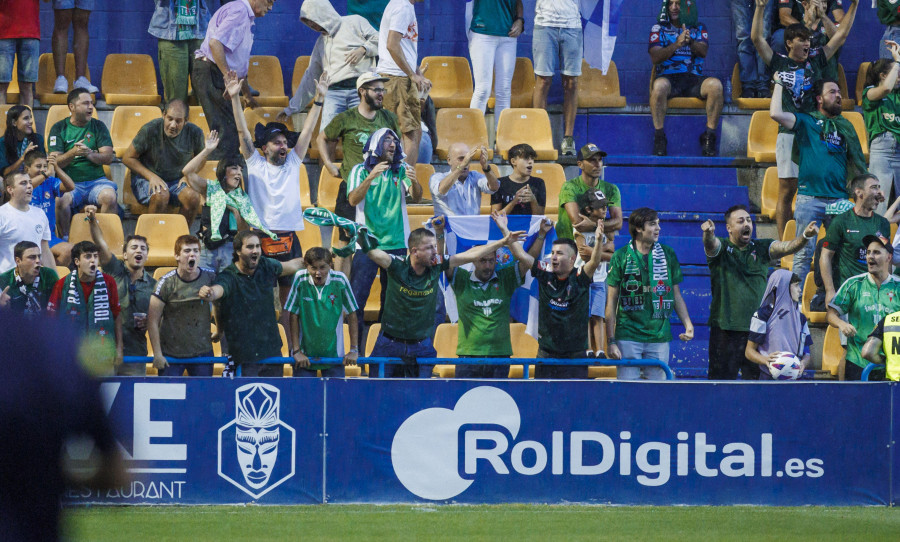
(598, 299)
(87, 5)
(140, 187)
(28, 51)
(552, 46)
(86, 193)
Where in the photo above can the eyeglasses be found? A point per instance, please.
(378, 90)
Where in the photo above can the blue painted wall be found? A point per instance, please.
(118, 27)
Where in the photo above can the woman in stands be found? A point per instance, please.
(492, 47)
(20, 138)
(778, 326)
(881, 109)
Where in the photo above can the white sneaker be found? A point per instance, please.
(82, 82)
(61, 86)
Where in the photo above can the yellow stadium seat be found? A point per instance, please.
(445, 338)
(486, 198)
(309, 237)
(769, 195)
(678, 103)
(745, 103)
(524, 346)
(161, 231)
(761, 137)
(264, 115)
(110, 225)
(860, 126)
(522, 86)
(530, 126)
(265, 76)
(790, 232)
(300, 67)
(847, 103)
(461, 125)
(47, 77)
(129, 79)
(371, 337)
(161, 271)
(131, 202)
(832, 351)
(287, 368)
(424, 173)
(198, 117)
(354, 370)
(893, 231)
(809, 290)
(55, 114)
(373, 303)
(126, 121)
(451, 80)
(305, 191)
(62, 271)
(861, 80)
(554, 177)
(598, 90)
(327, 191)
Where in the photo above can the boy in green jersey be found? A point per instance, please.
(864, 300)
(318, 301)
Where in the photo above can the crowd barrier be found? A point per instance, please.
(381, 362)
(357, 440)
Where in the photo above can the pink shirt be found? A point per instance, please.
(231, 25)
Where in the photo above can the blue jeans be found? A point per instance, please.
(884, 163)
(808, 208)
(362, 275)
(426, 150)
(556, 49)
(891, 33)
(388, 348)
(88, 192)
(28, 51)
(217, 259)
(777, 42)
(338, 101)
(636, 350)
(752, 68)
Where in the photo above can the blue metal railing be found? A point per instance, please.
(381, 362)
(868, 370)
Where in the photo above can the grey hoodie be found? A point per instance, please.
(344, 35)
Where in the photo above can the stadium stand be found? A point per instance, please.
(809, 290)
(110, 225)
(761, 137)
(522, 88)
(264, 115)
(554, 177)
(530, 126)
(737, 88)
(451, 79)
(790, 231)
(460, 125)
(161, 231)
(598, 90)
(160, 271)
(129, 79)
(127, 120)
(445, 340)
(300, 66)
(43, 89)
(861, 80)
(198, 117)
(62, 271)
(769, 195)
(847, 102)
(832, 351)
(265, 76)
(327, 189)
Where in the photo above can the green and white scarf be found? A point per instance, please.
(185, 19)
(95, 314)
(656, 282)
(33, 305)
(321, 216)
(218, 200)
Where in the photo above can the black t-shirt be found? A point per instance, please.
(507, 192)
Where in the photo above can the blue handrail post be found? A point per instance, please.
(868, 370)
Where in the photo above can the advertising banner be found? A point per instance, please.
(213, 441)
(607, 442)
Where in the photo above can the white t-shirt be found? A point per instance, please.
(463, 198)
(15, 226)
(275, 192)
(557, 13)
(399, 16)
(603, 269)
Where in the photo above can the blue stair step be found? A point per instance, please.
(633, 134)
(682, 198)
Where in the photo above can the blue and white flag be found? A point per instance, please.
(465, 232)
(601, 26)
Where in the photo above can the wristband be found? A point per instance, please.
(318, 103)
(440, 237)
(519, 19)
(354, 350)
(611, 340)
(807, 238)
(486, 169)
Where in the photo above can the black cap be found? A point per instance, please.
(881, 240)
(264, 134)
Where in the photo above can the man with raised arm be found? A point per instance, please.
(798, 71)
(739, 271)
(245, 292)
(411, 298)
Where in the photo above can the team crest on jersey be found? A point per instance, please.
(332, 298)
(891, 296)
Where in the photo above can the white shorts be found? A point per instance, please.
(784, 146)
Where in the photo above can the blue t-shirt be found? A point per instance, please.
(44, 198)
(683, 61)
